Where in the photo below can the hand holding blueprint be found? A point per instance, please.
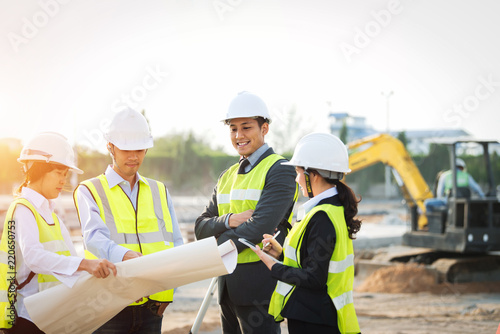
(93, 301)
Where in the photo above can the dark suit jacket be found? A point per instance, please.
(310, 301)
(251, 283)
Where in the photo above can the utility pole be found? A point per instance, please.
(387, 168)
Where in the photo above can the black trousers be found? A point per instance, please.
(302, 327)
(254, 319)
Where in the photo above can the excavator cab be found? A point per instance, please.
(467, 223)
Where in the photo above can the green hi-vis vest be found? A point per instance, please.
(462, 180)
(147, 230)
(340, 274)
(51, 239)
(237, 193)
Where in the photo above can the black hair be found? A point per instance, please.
(261, 121)
(349, 202)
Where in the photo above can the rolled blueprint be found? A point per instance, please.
(93, 301)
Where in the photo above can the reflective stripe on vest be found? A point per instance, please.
(340, 273)
(237, 193)
(147, 230)
(51, 239)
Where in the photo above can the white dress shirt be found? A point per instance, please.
(307, 206)
(30, 254)
(95, 232)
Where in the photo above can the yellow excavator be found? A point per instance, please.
(388, 150)
(465, 225)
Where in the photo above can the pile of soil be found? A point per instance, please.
(413, 278)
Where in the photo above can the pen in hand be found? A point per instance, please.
(274, 237)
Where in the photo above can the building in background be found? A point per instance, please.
(356, 126)
(418, 141)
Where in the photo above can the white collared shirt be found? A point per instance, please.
(30, 254)
(252, 158)
(307, 206)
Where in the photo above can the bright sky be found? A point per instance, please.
(67, 66)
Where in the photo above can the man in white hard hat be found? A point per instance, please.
(250, 199)
(125, 215)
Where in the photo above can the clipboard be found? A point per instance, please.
(252, 245)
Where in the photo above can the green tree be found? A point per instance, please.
(402, 138)
(344, 132)
(286, 129)
(11, 172)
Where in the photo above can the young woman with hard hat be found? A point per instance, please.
(315, 280)
(34, 241)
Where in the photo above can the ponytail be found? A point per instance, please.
(350, 203)
(17, 192)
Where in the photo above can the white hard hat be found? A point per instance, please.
(49, 147)
(129, 131)
(460, 163)
(246, 104)
(321, 151)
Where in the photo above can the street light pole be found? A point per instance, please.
(387, 168)
(387, 97)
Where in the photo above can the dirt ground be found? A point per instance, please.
(450, 308)
(395, 300)
(407, 299)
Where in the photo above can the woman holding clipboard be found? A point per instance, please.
(314, 289)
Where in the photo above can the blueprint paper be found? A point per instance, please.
(91, 302)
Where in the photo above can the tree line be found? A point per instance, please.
(188, 165)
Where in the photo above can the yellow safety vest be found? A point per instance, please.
(340, 274)
(51, 239)
(147, 230)
(237, 193)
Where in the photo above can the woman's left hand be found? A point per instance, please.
(263, 256)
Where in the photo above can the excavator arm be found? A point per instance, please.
(391, 152)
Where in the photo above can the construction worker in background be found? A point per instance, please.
(35, 242)
(465, 185)
(250, 199)
(125, 215)
(315, 281)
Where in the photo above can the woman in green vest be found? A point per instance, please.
(36, 251)
(315, 280)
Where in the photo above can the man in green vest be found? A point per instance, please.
(465, 185)
(250, 199)
(125, 215)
